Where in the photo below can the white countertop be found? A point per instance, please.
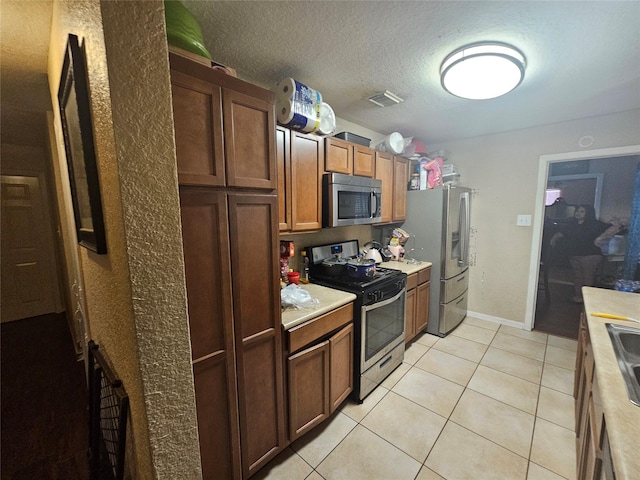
(406, 267)
(329, 299)
(621, 416)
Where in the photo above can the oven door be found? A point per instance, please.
(382, 327)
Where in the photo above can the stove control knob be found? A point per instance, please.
(373, 296)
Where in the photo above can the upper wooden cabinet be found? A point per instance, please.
(249, 142)
(338, 156)
(224, 128)
(283, 164)
(299, 159)
(348, 158)
(306, 153)
(384, 171)
(400, 179)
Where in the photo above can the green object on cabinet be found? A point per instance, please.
(183, 30)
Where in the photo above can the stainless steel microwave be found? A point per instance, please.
(350, 200)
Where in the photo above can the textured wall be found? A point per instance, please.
(135, 295)
(143, 126)
(504, 169)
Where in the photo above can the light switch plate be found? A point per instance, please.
(523, 221)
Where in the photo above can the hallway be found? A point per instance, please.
(44, 402)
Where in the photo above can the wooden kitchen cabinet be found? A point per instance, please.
(229, 211)
(283, 163)
(338, 156)
(319, 368)
(308, 389)
(349, 158)
(223, 128)
(589, 416)
(417, 303)
(394, 173)
(307, 154)
(341, 366)
(384, 172)
(400, 179)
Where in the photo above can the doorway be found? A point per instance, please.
(606, 162)
(29, 281)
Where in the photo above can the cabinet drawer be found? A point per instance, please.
(412, 281)
(317, 328)
(424, 275)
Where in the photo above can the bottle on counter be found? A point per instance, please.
(304, 278)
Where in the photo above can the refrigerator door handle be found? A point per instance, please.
(464, 228)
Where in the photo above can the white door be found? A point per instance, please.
(29, 281)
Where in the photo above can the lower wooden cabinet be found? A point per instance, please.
(590, 428)
(340, 366)
(417, 303)
(229, 240)
(308, 388)
(320, 375)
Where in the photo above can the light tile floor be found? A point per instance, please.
(486, 402)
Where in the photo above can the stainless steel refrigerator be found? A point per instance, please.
(439, 220)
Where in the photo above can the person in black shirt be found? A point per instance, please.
(579, 241)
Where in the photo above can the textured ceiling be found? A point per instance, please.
(24, 90)
(583, 58)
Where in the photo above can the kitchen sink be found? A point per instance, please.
(626, 345)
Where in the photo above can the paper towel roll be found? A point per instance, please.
(291, 89)
(297, 116)
(298, 106)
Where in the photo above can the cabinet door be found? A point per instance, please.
(400, 179)
(410, 322)
(307, 153)
(338, 156)
(308, 389)
(197, 116)
(384, 172)
(283, 163)
(341, 346)
(253, 230)
(208, 278)
(422, 306)
(249, 141)
(363, 160)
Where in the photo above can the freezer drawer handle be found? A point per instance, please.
(461, 278)
(461, 299)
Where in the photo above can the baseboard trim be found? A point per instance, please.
(503, 321)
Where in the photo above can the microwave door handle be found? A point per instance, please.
(374, 205)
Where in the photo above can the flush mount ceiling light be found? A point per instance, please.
(482, 70)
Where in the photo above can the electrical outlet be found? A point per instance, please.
(523, 221)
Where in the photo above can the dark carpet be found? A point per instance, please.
(558, 316)
(44, 402)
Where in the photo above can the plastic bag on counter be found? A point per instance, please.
(293, 296)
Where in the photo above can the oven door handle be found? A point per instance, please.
(373, 306)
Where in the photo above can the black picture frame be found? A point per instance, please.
(77, 128)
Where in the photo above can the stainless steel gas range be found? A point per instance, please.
(379, 313)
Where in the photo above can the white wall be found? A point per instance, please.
(504, 169)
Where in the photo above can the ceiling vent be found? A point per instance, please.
(385, 99)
